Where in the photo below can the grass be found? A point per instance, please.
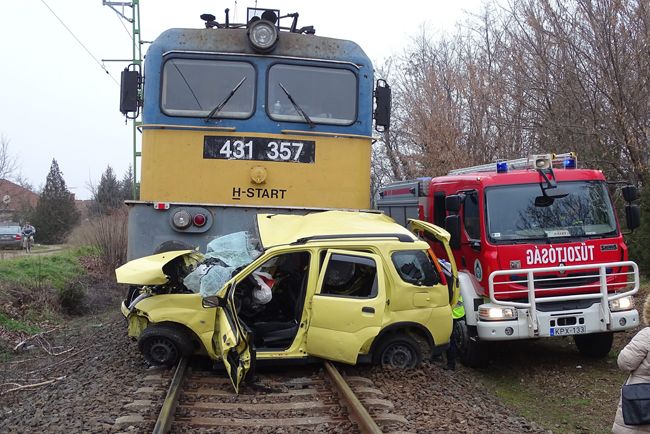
(547, 381)
(17, 326)
(56, 270)
(550, 383)
(30, 284)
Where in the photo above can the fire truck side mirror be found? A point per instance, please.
(630, 193)
(632, 216)
(452, 225)
(453, 203)
(382, 105)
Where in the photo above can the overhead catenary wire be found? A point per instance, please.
(125, 29)
(101, 65)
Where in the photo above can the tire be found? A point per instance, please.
(171, 245)
(471, 352)
(596, 345)
(164, 345)
(398, 350)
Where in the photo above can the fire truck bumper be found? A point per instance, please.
(557, 323)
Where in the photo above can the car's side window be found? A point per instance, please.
(415, 267)
(350, 276)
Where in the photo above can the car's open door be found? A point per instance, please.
(231, 339)
(433, 233)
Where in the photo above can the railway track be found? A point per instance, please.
(298, 401)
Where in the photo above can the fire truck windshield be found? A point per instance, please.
(514, 214)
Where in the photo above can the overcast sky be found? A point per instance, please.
(57, 102)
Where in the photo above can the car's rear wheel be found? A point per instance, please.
(164, 345)
(398, 351)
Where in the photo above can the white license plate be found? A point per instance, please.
(565, 331)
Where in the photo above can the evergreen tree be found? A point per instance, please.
(108, 195)
(126, 185)
(56, 212)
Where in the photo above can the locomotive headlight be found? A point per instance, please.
(624, 303)
(182, 219)
(263, 35)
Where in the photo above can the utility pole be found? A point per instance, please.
(122, 9)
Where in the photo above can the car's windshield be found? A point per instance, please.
(9, 229)
(326, 95)
(195, 87)
(521, 212)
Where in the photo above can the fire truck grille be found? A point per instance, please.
(557, 281)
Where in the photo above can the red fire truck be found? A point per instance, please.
(538, 246)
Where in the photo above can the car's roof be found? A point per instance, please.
(279, 229)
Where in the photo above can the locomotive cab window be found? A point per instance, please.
(202, 87)
(325, 95)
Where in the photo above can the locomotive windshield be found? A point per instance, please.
(194, 87)
(327, 95)
(513, 214)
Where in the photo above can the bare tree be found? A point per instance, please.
(8, 162)
(530, 76)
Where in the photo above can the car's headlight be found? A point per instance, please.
(623, 303)
(497, 313)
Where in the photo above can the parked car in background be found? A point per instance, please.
(10, 237)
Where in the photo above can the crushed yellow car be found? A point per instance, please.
(344, 286)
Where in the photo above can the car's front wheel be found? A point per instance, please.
(398, 350)
(164, 345)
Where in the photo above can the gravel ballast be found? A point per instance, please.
(99, 370)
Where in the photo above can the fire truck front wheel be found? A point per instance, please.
(596, 345)
(471, 352)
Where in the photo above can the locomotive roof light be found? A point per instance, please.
(263, 33)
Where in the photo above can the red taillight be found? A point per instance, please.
(162, 206)
(200, 220)
(18, 237)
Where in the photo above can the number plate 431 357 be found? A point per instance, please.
(259, 148)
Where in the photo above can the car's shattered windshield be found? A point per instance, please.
(224, 257)
(515, 212)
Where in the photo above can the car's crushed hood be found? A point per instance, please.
(149, 270)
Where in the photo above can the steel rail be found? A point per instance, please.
(166, 416)
(357, 411)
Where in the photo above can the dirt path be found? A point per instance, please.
(38, 250)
